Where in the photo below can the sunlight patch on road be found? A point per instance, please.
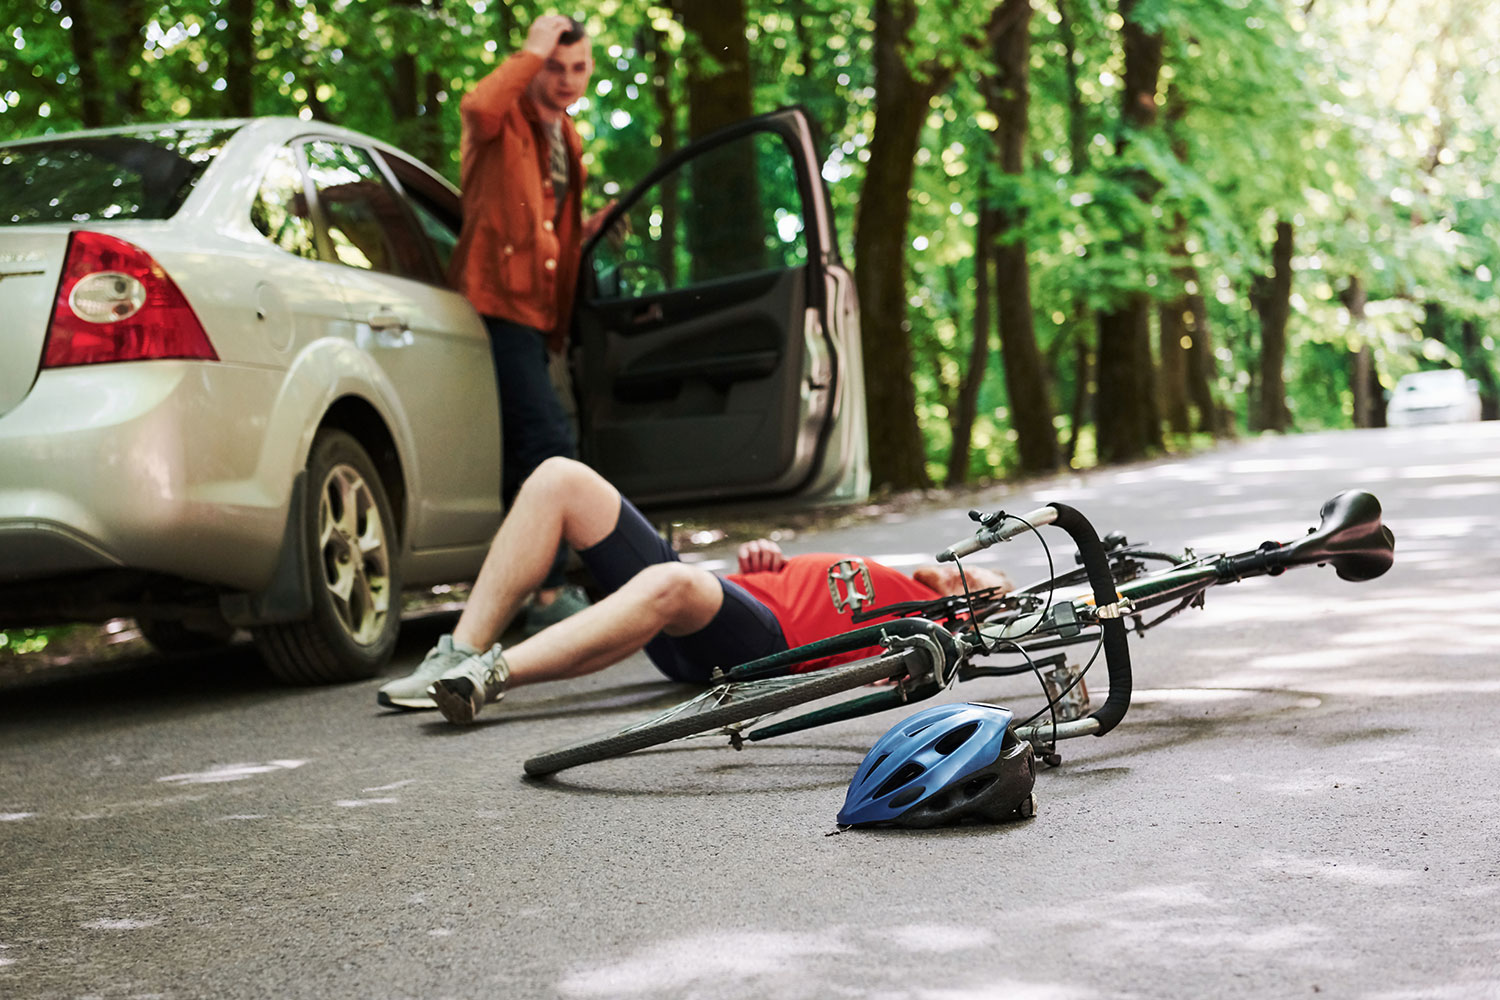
(1213, 695)
(1386, 688)
(701, 961)
(937, 938)
(123, 924)
(230, 772)
(1340, 871)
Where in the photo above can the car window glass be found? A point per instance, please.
(144, 174)
(733, 210)
(366, 224)
(439, 233)
(280, 208)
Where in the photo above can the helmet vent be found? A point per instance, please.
(909, 771)
(907, 797)
(977, 784)
(955, 739)
(873, 767)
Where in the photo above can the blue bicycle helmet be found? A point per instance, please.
(942, 765)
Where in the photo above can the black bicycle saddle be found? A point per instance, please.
(1350, 537)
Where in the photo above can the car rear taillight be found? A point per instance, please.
(115, 303)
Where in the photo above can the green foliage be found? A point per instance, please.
(1369, 125)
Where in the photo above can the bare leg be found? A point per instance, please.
(561, 500)
(566, 500)
(668, 597)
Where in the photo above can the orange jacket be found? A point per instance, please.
(511, 260)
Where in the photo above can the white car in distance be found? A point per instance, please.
(1433, 397)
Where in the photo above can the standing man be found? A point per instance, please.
(517, 257)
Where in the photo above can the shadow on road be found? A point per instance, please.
(141, 678)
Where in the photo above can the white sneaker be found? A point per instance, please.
(410, 692)
(478, 680)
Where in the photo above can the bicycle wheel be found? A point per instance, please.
(721, 706)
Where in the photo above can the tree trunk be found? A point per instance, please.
(967, 403)
(1202, 366)
(1078, 164)
(122, 47)
(1367, 404)
(85, 42)
(666, 114)
(1273, 303)
(1173, 344)
(1078, 126)
(1083, 397)
(1008, 95)
(239, 69)
(899, 460)
(1128, 422)
(901, 101)
(1176, 347)
(1476, 361)
(723, 207)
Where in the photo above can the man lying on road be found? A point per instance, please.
(687, 620)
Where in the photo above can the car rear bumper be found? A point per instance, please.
(146, 465)
(1430, 415)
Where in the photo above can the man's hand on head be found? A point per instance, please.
(761, 556)
(544, 34)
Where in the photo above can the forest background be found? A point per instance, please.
(1082, 230)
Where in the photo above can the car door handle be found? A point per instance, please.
(385, 321)
(648, 314)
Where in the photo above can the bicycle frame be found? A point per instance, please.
(1350, 537)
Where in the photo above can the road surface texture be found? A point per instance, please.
(1302, 800)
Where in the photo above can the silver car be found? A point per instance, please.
(1443, 396)
(236, 391)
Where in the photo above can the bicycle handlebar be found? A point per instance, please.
(1009, 527)
(1101, 580)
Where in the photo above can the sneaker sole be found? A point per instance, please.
(456, 708)
(413, 703)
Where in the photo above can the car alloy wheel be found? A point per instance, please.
(352, 566)
(354, 553)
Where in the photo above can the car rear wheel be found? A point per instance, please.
(354, 572)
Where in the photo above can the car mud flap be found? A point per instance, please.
(288, 597)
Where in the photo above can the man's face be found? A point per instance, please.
(565, 77)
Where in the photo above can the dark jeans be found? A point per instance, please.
(533, 424)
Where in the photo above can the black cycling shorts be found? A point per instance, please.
(743, 629)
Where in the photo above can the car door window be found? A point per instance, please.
(435, 206)
(365, 222)
(280, 210)
(732, 211)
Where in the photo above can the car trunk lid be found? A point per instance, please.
(31, 260)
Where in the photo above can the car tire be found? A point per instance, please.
(353, 569)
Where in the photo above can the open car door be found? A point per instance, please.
(716, 338)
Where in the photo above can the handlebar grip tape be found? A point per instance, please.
(1116, 644)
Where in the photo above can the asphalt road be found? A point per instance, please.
(1302, 800)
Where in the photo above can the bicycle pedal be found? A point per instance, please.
(1067, 692)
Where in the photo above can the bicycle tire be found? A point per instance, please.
(668, 726)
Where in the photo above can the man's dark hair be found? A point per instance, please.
(574, 33)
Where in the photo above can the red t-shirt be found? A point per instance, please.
(799, 596)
